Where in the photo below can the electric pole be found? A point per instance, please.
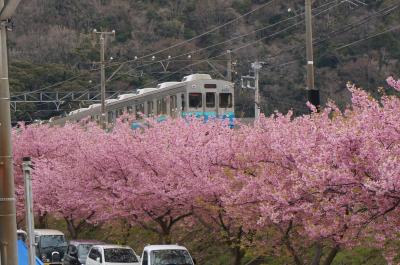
(257, 67)
(103, 35)
(29, 217)
(313, 93)
(229, 66)
(8, 224)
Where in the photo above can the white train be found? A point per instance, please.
(197, 95)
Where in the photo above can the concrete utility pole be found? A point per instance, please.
(257, 67)
(229, 66)
(8, 225)
(313, 93)
(103, 35)
(29, 217)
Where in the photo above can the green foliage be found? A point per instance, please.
(360, 256)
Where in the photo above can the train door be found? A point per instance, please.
(225, 103)
(150, 108)
(211, 107)
(173, 106)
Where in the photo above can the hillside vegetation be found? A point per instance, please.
(52, 41)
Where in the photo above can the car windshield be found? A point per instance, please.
(52, 241)
(83, 250)
(119, 255)
(170, 257)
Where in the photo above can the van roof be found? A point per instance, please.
(162, 247)
(48, 232)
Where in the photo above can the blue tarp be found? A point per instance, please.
(23, 254)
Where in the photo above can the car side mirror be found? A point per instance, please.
(98, 259)
(74, 253)
(138, 258)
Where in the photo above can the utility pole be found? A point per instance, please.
(313, 93)
(257, 108)
(8, 224)
(29, 217)
(229, 66)
(256, 68)
(103, 35)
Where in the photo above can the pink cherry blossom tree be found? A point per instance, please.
(324, 181)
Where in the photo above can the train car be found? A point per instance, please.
(196, 95)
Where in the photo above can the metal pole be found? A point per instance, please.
(229, 66)
(8, 225)
(313, 94)
(257, 110)
(29, 217)
(103, 119)
(103, 83)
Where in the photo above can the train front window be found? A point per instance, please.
(225, 100)
(195, 100)
(210, 100)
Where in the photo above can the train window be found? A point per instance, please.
(119, 112)
(173, 104)
(210, 100)
(129, 109)
(110, 116)
(210, 86)
(139, 109)
(225, 100)
(195, 100)
(161, 106)
(183, 102)
(164, 106)
(150, 107)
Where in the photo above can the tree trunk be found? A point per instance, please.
(297, 260)
(238, 255)
(332, 255)
(318, 254)
(165, 237)
(42, 221)
(126, 234)
(73, 232)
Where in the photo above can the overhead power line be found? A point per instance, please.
(209, 31)
(369, 37)
(241, 47)
(186, 41)
(226, 41)
(168, 48)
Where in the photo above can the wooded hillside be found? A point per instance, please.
(51, 42)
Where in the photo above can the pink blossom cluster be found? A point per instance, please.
(393, 83)
(331, 176)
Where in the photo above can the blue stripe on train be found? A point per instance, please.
(207, 116)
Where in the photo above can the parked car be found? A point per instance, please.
(112, 255)
(166, 255)
(78, 251)
(50, 246)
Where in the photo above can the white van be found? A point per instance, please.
(111, 255)
(166, 254)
